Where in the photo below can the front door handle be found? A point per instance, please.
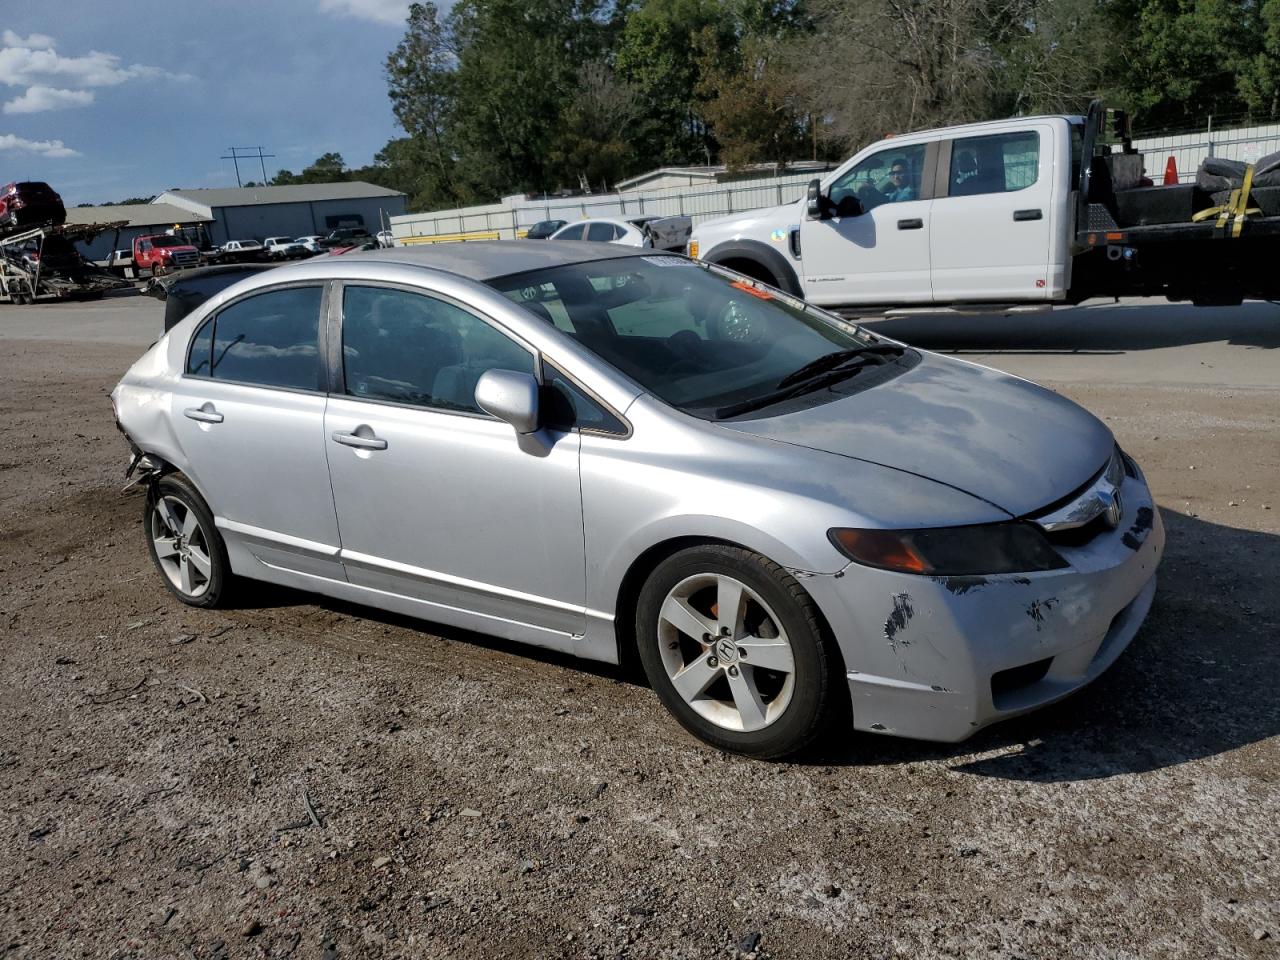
(205, 414)
(1019, 215)
(359, 442)
(915, 223)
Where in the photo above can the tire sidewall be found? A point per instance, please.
(810, 697)
(220, 568)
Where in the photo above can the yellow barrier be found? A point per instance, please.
(452, 237)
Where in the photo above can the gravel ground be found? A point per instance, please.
(310, 779)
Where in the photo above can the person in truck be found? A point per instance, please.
(899, 188)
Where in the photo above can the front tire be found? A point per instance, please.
(185, 545)
(737, 651)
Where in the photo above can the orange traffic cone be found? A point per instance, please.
(1171, 173)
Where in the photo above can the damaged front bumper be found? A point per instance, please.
(938, 658)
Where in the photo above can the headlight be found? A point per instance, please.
(951, 551)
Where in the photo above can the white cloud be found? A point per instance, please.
(33, 61)
(391, 12)
(37, 99)
(48, 148)
(37, 41)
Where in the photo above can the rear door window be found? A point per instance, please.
(1003, 163)
(601, 232)
(271, 339)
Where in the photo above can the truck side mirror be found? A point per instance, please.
(814, 206)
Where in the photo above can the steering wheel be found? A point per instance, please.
(688, 348)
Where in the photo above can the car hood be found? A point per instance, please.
(1013, 444)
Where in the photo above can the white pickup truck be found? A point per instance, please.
(1012, 213)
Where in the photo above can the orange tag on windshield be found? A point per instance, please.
(754, 291)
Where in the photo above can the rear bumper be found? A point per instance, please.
(940, 658)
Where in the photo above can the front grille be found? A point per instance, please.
(1078, 536)
(186, 258)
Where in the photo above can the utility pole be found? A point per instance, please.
(248, 153)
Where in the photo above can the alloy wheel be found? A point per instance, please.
(182, 546)
(725, 652)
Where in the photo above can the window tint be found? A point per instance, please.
(601, 231)
(888, 176)
(566, 405)
(201, 350)
(271, 339)
(998, 164)
(572, 233)
(693, 337)
(409, 348)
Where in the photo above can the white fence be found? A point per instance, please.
(509, 219)
(1190, 149)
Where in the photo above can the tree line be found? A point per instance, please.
(538, 96)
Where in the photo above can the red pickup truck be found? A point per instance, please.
(163, 253)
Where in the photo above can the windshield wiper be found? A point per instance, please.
(837, 370)
(833, 361)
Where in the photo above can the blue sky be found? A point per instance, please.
(107, 101)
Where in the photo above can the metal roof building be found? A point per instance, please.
(143, 219)
(295, 210)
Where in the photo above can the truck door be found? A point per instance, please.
(879, 254)
(993, 222)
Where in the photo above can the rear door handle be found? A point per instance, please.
(359, 442)
(1027, 215)
(915, 223)
(205, 414)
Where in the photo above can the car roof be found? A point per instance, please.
(486, 260)
(617, 221)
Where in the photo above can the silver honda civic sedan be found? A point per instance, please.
(795, 525)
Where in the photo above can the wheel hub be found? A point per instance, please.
(726, 651)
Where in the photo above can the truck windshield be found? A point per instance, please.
(168, 242)
(705, 341)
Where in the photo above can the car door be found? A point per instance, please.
(249, 415)
(436, 499)
(880, 253)
(992, 229)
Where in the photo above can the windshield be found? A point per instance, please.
(168, 242)
(703, 340)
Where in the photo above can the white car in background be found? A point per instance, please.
(660, 233)
(283, 248)
(311, 243)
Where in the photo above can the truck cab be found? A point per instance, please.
(981, 213)
(163, 253)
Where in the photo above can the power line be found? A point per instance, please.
(247, 153)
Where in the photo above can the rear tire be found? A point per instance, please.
(185, 545)
(758, 680)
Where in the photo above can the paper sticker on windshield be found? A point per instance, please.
(668, 261)
(754, 291)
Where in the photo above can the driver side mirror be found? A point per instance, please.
(511, 397)
(815, 209)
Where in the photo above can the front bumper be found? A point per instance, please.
(938, 658)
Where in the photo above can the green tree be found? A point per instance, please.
(593, 142)
(517, 66)
(1259, 75)
(423, 88)
(658, 54)
(1186, 58)
(327, 168)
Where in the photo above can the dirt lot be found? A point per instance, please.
(314, 780)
